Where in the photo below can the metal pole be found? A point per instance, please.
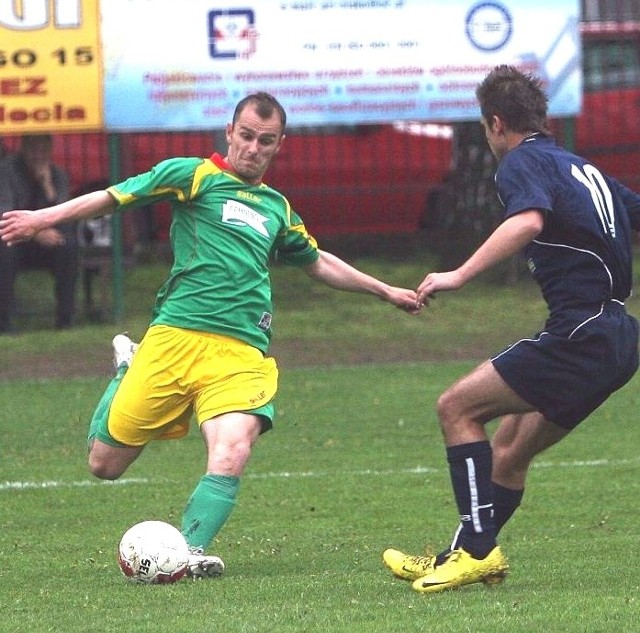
(569, 133)
(116, 232)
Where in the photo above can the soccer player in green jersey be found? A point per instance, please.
(205, 352)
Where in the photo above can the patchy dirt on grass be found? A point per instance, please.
(96, 362)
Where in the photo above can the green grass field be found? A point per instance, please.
(355, 464)
(348, 471)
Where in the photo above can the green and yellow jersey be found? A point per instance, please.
(223, 233)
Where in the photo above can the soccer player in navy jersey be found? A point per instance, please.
(575, 225)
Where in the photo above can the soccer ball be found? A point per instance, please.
(153, 552)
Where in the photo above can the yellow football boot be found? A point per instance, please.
(461, 568)
(407, 567)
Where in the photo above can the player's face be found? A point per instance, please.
(37, 155)
(253, 142)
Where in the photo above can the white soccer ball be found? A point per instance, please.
(153, 552)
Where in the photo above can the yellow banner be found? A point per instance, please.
(50, 66)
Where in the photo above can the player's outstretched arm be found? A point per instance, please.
(21, 225)
(336, 273)
(507, 240)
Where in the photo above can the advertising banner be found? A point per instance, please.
(50, 66)
(184, 65)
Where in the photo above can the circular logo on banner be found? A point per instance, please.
(489, 26)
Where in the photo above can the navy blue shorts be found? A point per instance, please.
(566, 378)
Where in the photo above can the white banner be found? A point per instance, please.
(171, 65)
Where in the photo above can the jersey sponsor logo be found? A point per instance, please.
(248, 196)
(238, 214)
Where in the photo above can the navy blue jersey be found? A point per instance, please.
(583, 256)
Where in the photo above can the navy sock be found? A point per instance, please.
(505, 503)
(470, 470)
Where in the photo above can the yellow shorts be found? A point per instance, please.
(177, 373)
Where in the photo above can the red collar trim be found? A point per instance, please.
(219, 161)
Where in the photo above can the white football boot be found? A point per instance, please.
(123, 350)
(202, 566)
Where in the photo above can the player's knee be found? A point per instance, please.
(458, 423)
(445, 409)
(103, 469)
(230, 459)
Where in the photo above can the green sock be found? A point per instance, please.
(98, 425)
(208, 508)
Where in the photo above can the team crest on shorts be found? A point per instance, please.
(265, 321)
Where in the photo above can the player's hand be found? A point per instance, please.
(434, 282)
(19, 226)
(405, 299)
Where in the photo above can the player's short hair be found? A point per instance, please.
(518, 99)
(265, 105)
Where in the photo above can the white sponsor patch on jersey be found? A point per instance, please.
(234, 212)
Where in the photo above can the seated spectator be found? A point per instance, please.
(30, 180)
